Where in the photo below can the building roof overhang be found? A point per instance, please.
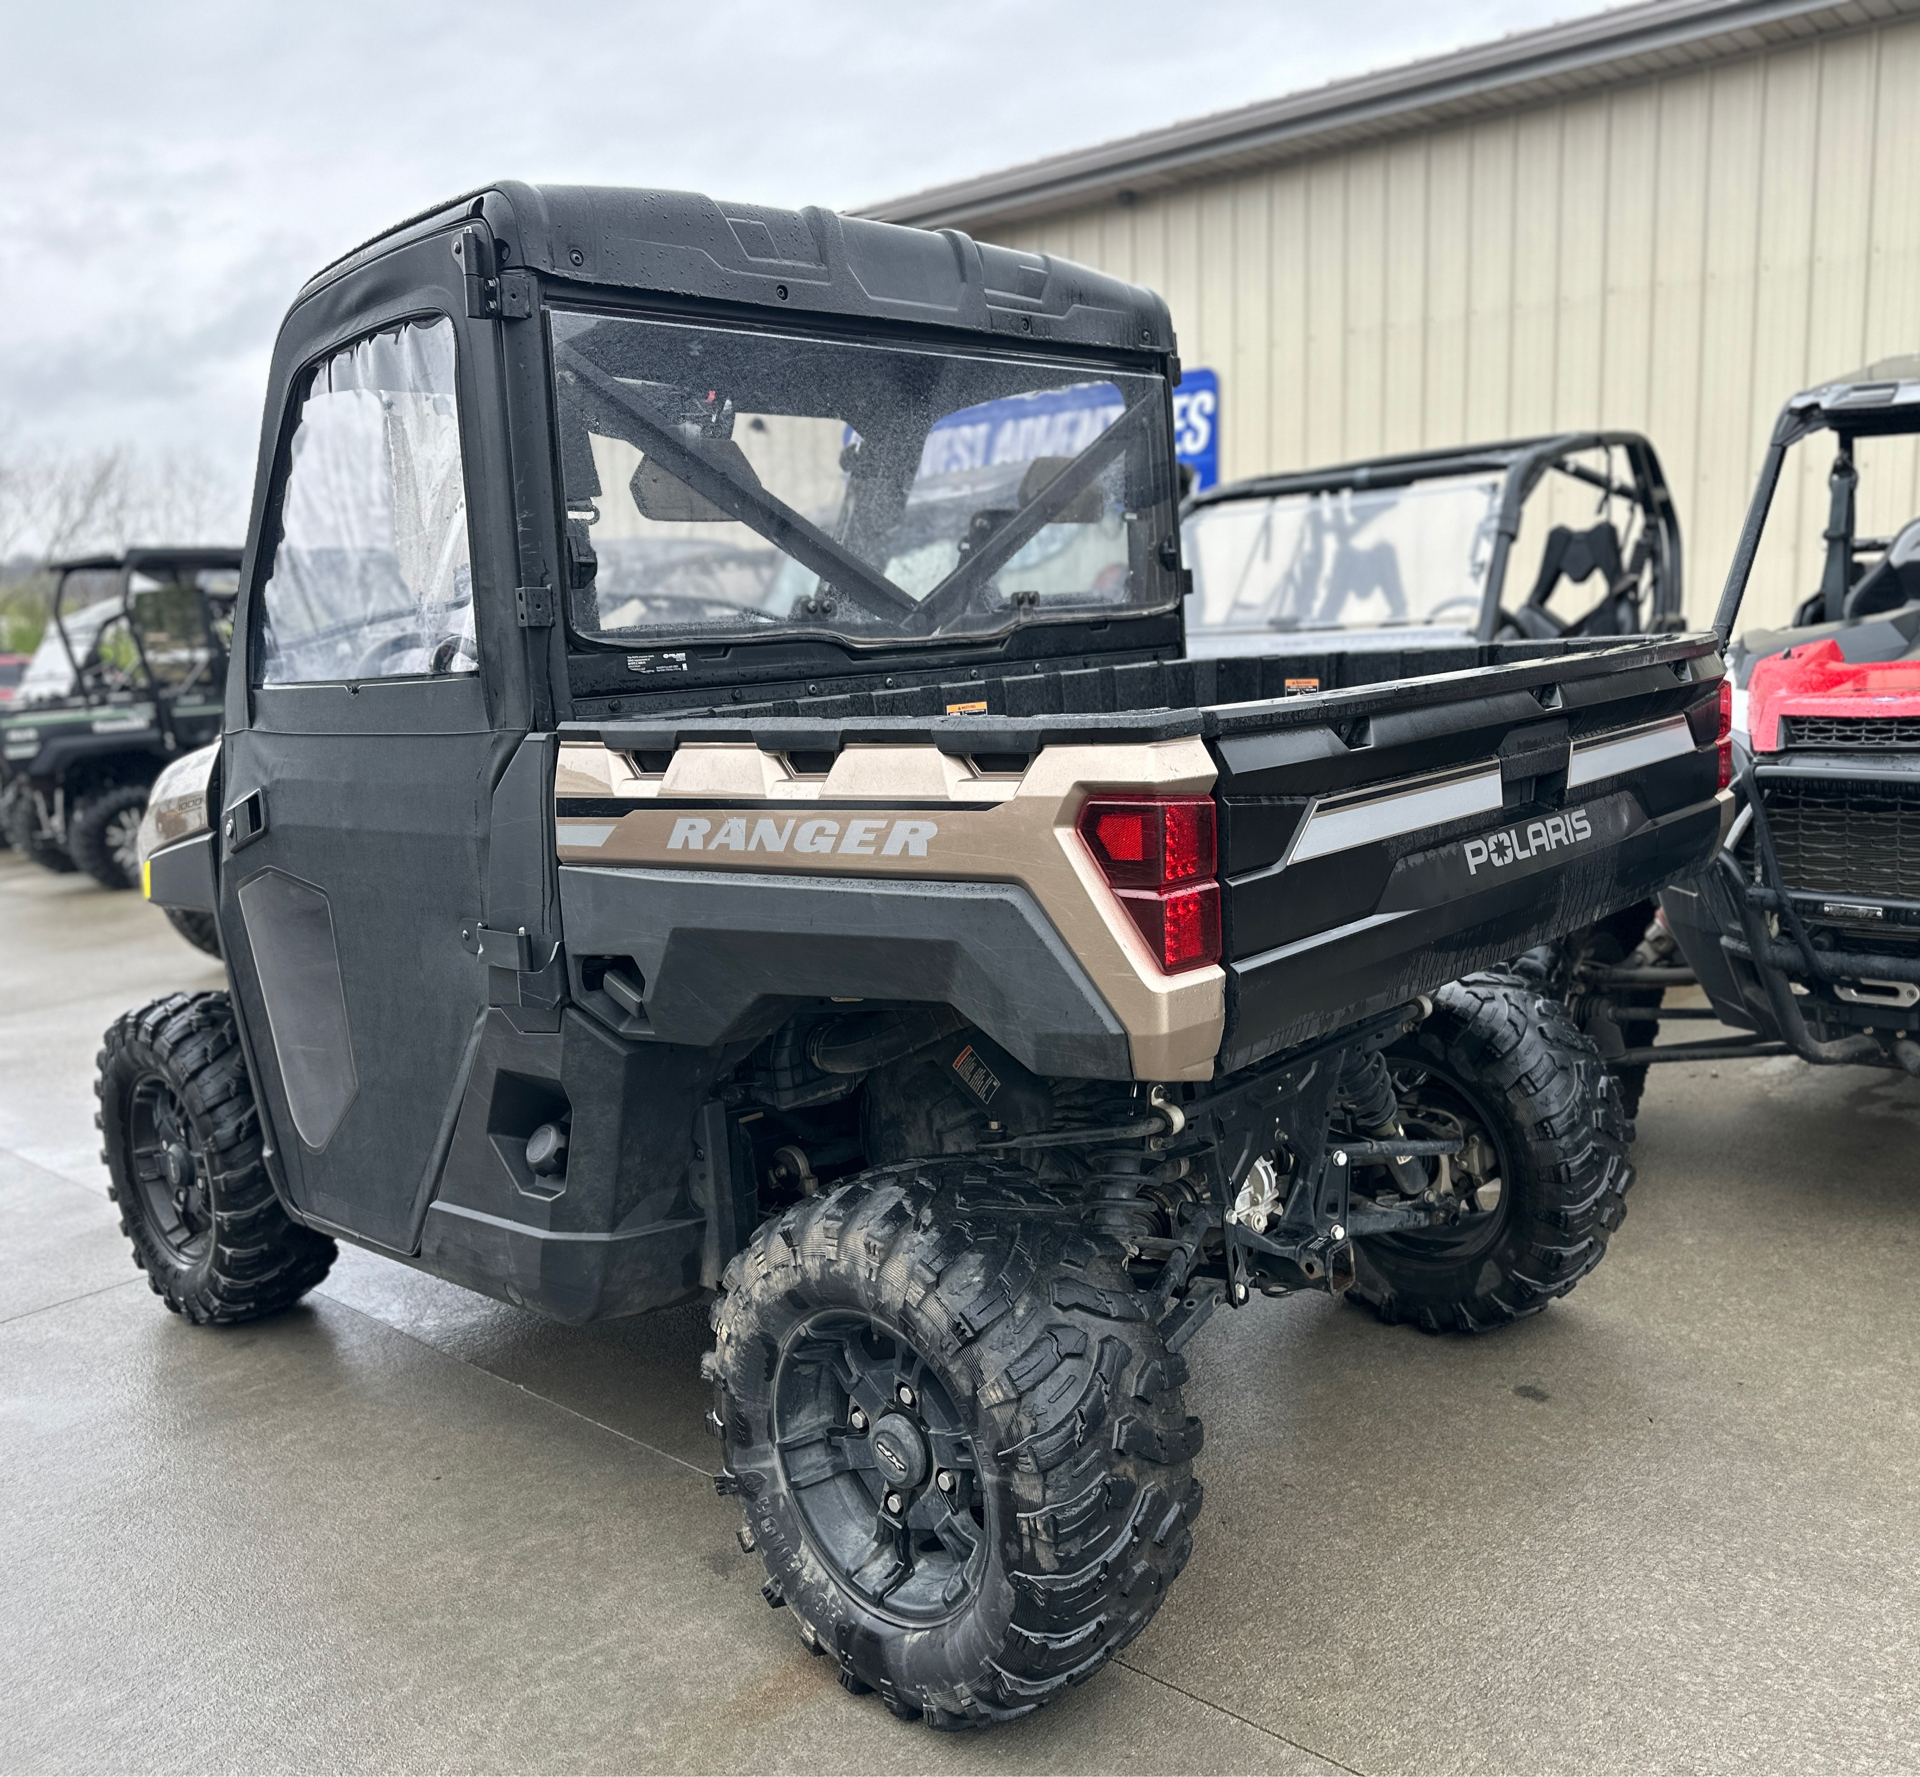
(1522, 69)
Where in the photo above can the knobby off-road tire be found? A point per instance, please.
(1610, 943)
(182, 1148)
(1034, 1383)
(25, 836)
(101, 831)
(1535, 1085)
(199, 929)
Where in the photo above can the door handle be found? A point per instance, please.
(245, 821)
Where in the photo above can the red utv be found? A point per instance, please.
(1805, 930)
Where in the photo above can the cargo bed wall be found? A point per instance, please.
(1096, 684)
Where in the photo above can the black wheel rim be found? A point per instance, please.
(1435, 1105)
(170, 1171)
(123, 842)
(882, 1466)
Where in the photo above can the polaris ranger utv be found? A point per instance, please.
(128, 676)
(1805, 933)
(712, 799)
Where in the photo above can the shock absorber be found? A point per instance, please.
(1120, 1175)
(1367, 1089)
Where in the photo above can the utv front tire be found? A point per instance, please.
(26, 835)
(946, 1316)
(1497, 1058)
(103, 832)
(182, 1149)
(199, 929)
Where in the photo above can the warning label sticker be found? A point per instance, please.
(978, 1078)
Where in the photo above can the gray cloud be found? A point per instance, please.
(175, 171)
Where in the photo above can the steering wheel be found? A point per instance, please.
(452, 648)
(376, 662)
(1469, 601)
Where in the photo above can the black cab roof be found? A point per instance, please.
(809, 261)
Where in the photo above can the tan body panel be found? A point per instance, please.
(914, 812)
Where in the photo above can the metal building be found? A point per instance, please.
(1669, 216)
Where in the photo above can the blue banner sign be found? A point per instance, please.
(1196, 425)
(1018, 428)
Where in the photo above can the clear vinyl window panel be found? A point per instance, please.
(726, 482)
(372, 576)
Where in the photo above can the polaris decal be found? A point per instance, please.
(859, 837)
(1511, 844)
(1498, 863)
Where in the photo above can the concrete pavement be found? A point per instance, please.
(1672, 1524)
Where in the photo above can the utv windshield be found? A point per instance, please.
(723, 483)
(1348, 558)
(175, 622)
(88, 599)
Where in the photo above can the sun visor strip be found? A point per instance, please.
(1615, 753)
(1334, 827)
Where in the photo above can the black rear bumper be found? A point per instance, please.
(1341, 903)
(1301, 990)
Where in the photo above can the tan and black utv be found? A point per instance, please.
(713, 799)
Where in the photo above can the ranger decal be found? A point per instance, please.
(859, 837)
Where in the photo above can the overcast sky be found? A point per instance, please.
(171, 172)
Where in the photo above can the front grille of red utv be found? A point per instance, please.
(1865, 733)
(1847, 836)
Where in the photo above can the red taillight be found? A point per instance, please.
(1725, 744)
(1182, 928)
(1157, 853)
(1150, 842)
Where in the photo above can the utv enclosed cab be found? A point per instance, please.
(1434, 551)
(128, 675)
(712, 796)
(1806, 932)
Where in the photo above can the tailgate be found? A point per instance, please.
(1375, 846)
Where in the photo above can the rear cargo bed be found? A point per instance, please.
(1375, 840)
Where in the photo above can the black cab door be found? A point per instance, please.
(371, 710)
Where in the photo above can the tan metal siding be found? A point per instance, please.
(1676, 254)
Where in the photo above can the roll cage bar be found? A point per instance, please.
(1881, 401)
(174, 564)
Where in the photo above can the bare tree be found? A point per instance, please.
(56, 505)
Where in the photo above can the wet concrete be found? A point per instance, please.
(1671, 1524)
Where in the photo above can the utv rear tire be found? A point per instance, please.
(25, 835)
(182, 1148)
(102, 831)
(1537, 1089)
(1035, 1384)
(199, 929)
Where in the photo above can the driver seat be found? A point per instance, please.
(1892, 581)
(1575, 556)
